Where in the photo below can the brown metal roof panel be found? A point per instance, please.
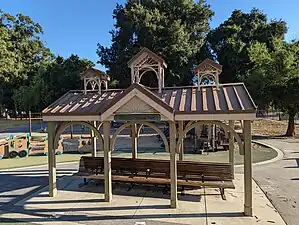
(245, 97)
(167, 95)
(210, 99)
(233, 98)
(188, 100)
(222, 101)
(177, 100)
(89, 104)
(199, 106)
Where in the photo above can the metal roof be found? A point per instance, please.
(226, 99)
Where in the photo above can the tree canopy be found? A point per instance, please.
(53, 81)
(231, 40)
(174, 29)
(275, 77)
(22, 53)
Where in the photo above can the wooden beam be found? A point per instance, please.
(51, 160)
(107, 162)
(247, 169)
(232, 148)
(93, 141)
(181, 150)
(173, 165)
(134, 141)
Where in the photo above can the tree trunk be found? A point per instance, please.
(291, 125)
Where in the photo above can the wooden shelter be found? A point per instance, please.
(209, 104)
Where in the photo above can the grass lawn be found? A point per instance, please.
(8, 124)
(259, 154)
(271, 127)
(4, 221)
(36, 160)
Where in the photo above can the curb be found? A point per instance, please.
(36, 166)
(280, 154)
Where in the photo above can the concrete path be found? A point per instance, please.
(15, 184)
(142, 205)
(280, 180)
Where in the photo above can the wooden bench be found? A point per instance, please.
(157, 172)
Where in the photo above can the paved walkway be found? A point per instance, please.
(280, 180)
(84, 204)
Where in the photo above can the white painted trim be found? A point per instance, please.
(141, 96)
(72, 118)
(195, 117)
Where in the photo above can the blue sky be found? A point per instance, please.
(76, 26)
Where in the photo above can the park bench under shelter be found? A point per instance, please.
(139, 105)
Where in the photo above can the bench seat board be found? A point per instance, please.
(158, 180)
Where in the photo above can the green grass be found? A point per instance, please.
(12, 222)
(36, 160)
(8, 124)
(259, 154)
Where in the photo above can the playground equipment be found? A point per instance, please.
(84, 145)
(4, 149)
(77, 143)
(39, 145)
(203, 140)
(18, 146)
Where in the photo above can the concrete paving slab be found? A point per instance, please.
(85, 205)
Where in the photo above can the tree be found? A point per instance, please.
(276, 73)
(21, 53)
(174, 29)
(52, 81)
(231, 40)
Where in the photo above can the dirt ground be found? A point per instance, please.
(271, 127)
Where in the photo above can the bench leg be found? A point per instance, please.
(131, 186)
(166, 189)
(85, 182)
(222, 193)
(183, 191)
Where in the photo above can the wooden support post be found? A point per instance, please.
(213, 136)
(72, 131)
(51, 160)
(134, 141)
(247, 169)
(107, 162)
(30, 124)
(181, 129)
(173, 165)
(231, 147)
(93, 141)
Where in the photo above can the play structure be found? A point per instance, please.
(77, 143)
(26, 145)
(13, 147)
(39, 146)
(203, 138)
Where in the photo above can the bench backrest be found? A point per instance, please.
(209, 171)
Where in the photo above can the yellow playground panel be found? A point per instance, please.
(39, 145)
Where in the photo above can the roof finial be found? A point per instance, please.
(144, 61)
(94, 78)
(208, 69)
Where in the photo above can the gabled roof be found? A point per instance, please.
(150, 53)
(143, 90)
(209, 100)
(210, 63)
(93, 72)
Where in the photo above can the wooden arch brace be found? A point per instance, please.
(122, 127)
(224, 126)
(65, 125)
